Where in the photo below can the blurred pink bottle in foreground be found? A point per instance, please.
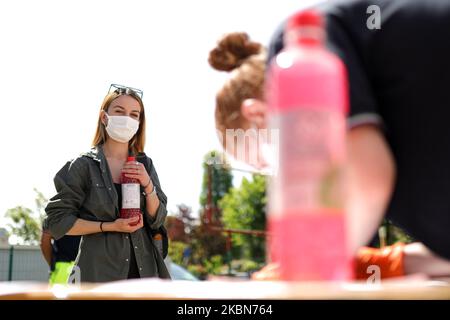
(308, 102)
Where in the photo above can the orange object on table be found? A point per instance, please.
(389, 259)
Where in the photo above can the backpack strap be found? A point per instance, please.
(148, 164)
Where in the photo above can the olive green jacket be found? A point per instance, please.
(85, 190)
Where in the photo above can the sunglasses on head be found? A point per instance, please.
(117, 88)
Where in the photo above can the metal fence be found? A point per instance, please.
(22, 263)
(26, 263)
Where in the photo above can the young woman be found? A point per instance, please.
(240, 105)
(88, 198)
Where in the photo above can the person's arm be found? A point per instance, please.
(419, 259)
(370, 180)
(63, 209)
(46, 246)
(83, 227)
(156, 203)
(71, 183)
(152, 201)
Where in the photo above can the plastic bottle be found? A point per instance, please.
(308, 101)
(130, 196)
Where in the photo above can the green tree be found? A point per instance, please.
(245, 208)
(184, 213)
(25, 223)
(216, 168)
(176, 250)
(206, 242)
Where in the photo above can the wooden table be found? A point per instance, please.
(163, 289)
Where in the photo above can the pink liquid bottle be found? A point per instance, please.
(308, 101)
(130, 197)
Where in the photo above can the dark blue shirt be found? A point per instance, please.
(65, 249)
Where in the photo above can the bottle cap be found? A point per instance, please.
(307, 18)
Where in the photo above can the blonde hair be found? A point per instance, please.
(137, 143)
(247, 60)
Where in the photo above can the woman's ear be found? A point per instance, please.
(255, 111)
(104, 118)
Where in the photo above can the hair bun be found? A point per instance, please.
(232, 50)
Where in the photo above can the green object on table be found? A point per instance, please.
(61, 273)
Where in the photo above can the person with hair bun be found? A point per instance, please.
(240, 105)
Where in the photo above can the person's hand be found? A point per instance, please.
(126, 225)
(136, 170)
(269, 272)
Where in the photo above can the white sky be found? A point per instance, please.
(57, 59)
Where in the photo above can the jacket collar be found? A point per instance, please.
(96, 153)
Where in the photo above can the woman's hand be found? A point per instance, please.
(126, 225)
(136, 170)
(269, 272)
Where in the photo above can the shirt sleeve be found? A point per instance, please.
(276, 43)
(161, 213)
(63, 209)
(363, 104)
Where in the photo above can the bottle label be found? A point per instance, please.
(130, 196)
(312, 153)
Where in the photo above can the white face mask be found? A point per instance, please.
(121, 128)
